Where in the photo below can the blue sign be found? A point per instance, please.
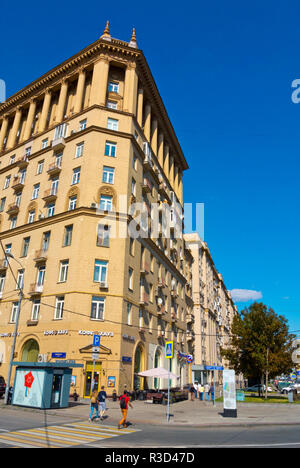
(213, 368)
(96, 340)
(59, 355)
(126, 359)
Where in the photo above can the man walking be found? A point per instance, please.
(206, 391)
(124, 402)
(201, 391)
(102, 402)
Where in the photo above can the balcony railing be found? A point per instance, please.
(54, 169)
(22, 162)
(13, 209)
(40, 256)
(50, 195)
(35, 289)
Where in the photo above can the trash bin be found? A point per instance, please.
(291, 397)
(114, 395)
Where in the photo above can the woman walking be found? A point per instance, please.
(94, 405)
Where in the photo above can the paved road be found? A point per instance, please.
(29, 429)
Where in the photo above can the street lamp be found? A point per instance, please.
(8, 254)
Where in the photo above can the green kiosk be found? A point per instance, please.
(42, 385)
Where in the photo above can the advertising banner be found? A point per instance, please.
(229, 393)
(28, 389)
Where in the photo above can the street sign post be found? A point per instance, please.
(169, 351)
(95, 355)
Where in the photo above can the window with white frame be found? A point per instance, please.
(59, 308)
(35, 192)
(14, 312)
(2, 204)
(106, 202)
(110, 149)
(130, 279)
(45, 143)
(31, 216)
(40, 167)
(108, 174)
(50, 209)
(41, 275)
(54, 186)
(20, 279)
(76, 175)
(68, 235)
(2, 282)
(12, 159)
(129, 313)
(103, 234)
(100, 271)
(97, 308)
(22, 176)
(112, 124)
(60, 131)
(82, 124)
(13, 222)
(112, 104)
(72, 202)
(79, 150)
(7, 182)
(63, 271)
(133, 187)
(35, 310)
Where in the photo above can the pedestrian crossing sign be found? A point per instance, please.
(169, 350)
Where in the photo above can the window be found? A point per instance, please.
(100, 271)
(129, 313)
(130, 279)
(22, 176)
(113, 87)
(58, 158)
(106, 202)
(31, 216)
(35, 310)
(134, 162)
(20, 279)
(13, 222)
(131, 246)
(82, 124)
(112, 124)
(79, 150)
(44, 143)
(59, 308)
(18, 198)
(108, 175)
(60, 131)
(76, 175)
(103, 234)
(54, 186)
(110, 149)
(25, 246)
(72, 202)
(7, 182)
(50, 209)
(68, 235)
(12, 159)
(97, 308)
(35, 192)
(112, 104)
(2, 203)
(14, 312)
(141, 319)
(2, 282)
(63, 271)
(41, 275)
(46, 241)
(28, 151)
(133, 187)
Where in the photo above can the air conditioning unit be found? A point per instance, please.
(103, 285)
(93, 205)
(41, 216)
(42, 358)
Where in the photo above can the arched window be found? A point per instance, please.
(30, 351)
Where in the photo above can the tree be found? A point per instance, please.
(261, 345)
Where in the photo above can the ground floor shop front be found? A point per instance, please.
(120, 358)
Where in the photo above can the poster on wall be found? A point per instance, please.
(229, 394)
(111, 381)
(28, 389)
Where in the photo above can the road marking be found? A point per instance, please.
(65, 435)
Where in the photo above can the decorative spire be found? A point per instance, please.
(106, 36)
(133, 42)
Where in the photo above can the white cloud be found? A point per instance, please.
(245, 295)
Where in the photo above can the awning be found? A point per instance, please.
(158, 372)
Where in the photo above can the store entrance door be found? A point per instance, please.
(56, 390)
(88, 378)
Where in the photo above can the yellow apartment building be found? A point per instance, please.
(214, 310)
(81, 148)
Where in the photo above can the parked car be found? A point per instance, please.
(2, 386)
(257, 388)
(289, 388)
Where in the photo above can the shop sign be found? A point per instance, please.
(128, 338)
(56, 332)
(89, 332)
(59, 355)
(8, 335)
(126, 359)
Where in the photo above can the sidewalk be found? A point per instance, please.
(185, 413)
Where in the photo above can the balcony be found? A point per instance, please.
(163, 190)
(54, 169)
(144, 299)
(3, 265)
(18, 183)
(145, 270)
(22, 162)
(13, 209)
(190, 318)
(35, 289)
(146, 185)
(58, 144)
(50, 195)
(40, 256)
(190, 335)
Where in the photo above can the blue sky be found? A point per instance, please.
(224, 71)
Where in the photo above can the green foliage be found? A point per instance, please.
(260, 343)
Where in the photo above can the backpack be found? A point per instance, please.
(123, 402)
(94, 399)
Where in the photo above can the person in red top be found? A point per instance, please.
(124, 402)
